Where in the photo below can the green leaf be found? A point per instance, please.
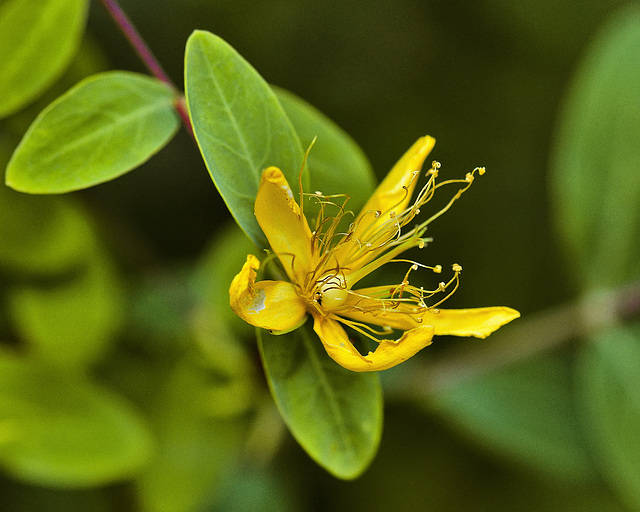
(102, 128)
(70, 323)
(38, 39)
(609, 387)
(60, 430)
(41, 236)
(195, 450)
(335, 414)
(337, 163)
(595, 180)
(525, 412)
(240, 127)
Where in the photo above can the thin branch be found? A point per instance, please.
(147, 57)
(523, 339)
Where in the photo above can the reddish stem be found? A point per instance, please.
(147, 57)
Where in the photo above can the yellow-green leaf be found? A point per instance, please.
(103, 127)
(60, 430)
(37, 39)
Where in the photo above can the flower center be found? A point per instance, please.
(331, 292)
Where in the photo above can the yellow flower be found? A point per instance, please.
(324, 265)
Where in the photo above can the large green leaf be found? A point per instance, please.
(609, 385)
(595, 179)
(239, 125)
(337, 163)
(102, 128)
(61, 430)
(335, 414)
(38, 39)
(525, 412)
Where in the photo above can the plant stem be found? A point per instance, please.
(147, 57)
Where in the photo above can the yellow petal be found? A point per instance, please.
(478, 322)
(273, 305)
(395, 191)
(283, 224)
(392, 195)
(388, 353)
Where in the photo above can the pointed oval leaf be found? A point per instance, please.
(103, 127)
(38, 39)
(239, 125)
(608, 385)
(595, 180)
(337, 163)
(61, 430)
(335, 414)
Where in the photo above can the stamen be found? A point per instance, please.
(304, 162)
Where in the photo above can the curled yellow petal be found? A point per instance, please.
(283, 223)
(478, 322)
(389, 353)
(273, 305)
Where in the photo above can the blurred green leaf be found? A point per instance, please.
(335, 414)
(72, 322)
(525, 412)
(338, 165)
(38, 39)
(102, 128)
(60, 430)
(196, 451)
(41, 236)
(239, 125)
(595, 180)
(609, 387)
(257, 491)
(212, 277)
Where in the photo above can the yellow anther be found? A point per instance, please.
(481, 170)
(456, 268)
(437, 269)
(469, 177)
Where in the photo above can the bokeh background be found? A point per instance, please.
(489, 80)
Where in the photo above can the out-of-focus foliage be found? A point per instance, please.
(545, 435)
(38, 39)
(609, 391)
(595, 182)
(127, 384)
